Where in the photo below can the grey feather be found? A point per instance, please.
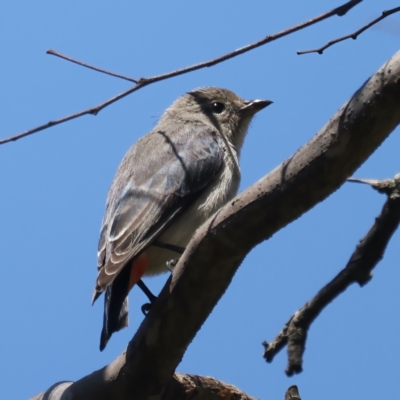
(158, 189)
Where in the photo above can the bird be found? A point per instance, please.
(168, 184)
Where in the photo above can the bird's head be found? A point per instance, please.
(221, 108)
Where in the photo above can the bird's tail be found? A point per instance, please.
(115, 307)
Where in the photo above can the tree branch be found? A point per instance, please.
(353, 35)
(365, 257)
(142, 82)
(216, 251)
(195, 387)
(181, 387)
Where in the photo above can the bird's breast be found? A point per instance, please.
(219, 191)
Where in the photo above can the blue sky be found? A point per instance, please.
(54, 186)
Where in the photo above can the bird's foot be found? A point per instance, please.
(146, 308)
(171, 264)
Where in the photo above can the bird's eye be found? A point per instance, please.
(217, 107)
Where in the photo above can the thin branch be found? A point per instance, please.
(390, 187)
(147, 81)
(217, 249)
(353, 35)
(83, 64)
(92, 111)
(365, 257)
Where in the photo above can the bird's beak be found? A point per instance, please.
(253, 106)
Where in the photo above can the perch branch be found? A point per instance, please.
(181, 387)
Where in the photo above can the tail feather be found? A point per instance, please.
(115, 307)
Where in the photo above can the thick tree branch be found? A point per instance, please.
(218, 248)
(195, 387)
(365, 257)
(353, 35)
(142, 82)
(181, 387)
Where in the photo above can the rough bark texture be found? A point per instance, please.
(180, 387)
(220, 245)
(292, 393)
(195, 387)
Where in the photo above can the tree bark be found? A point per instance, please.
(180, 387)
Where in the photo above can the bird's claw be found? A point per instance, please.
(146, 308)
(171, 264)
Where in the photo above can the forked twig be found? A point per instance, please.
(140, 83)
(83, 64)
(365, 257)
(353, 35)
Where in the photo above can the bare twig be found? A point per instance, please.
(386, 186)
(367, 254)
(147, 81)
(353, 35)
(83, 64)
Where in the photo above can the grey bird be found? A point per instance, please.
(167, 185)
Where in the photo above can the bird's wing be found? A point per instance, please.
(166, 173)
